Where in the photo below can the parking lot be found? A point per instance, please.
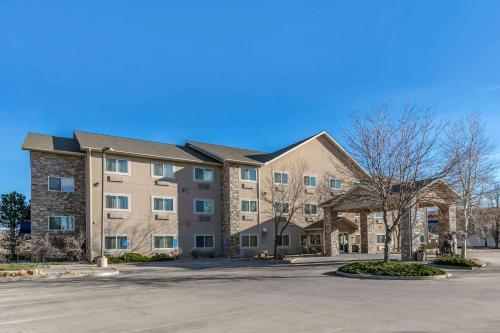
(245, 296)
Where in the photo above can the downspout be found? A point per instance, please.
(89, 203)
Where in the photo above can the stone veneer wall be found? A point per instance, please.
(331, 232)
(45, 203)
(367, 231)
(230, 209)
(447, 220)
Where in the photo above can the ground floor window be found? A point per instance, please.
(249, 241)
(358, 239)
(204, 241)
(62, 223)
(283, 240)
(116, 242)
(163, 242)
(380, 239)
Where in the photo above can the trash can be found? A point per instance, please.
(421, 255)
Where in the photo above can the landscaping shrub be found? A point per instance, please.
(137, 257)
(455, 261)
(390, 269)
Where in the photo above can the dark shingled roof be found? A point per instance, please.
(49, 143)
(140, 147)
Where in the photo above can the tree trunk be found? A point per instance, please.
(12, 240)
(386, 245)
(275, 250)
(497, 234)
(486, 241)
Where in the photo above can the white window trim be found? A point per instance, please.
(289, 241)
(333, 188)
(309, 186)
(60, 230)
(203, 213)
(129, 166)
(202, 248)
(153, 197)
(116, 250)
(61, 191)
(162, 248)
(249, 180)
(118, 209)
(311, 203)
(249, 247)
(377, 237)
(245, 199)
(282, 184)
(164, 177)
(203, 181)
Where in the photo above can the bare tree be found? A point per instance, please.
(398, 149)
(286, 198)
(14, 208)
(472, 170)
(495, 202)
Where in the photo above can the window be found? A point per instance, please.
(280, 177)
(163, 170)
(310, 181)
(249, 206)
(203, 175)
(357, 216)
(116, 243)
(116, 202)
(378, 215)
(203, 206)
(248, 174)
(334, 184)
(358, 239)
(281, 207)
(421, 215)
(61, 184)
(62, 223)
(204, 241)
(249, 241)
(115, 165)
(380, 239)
(283, 240)
(163, 242)
(310, 209)
(163, 204)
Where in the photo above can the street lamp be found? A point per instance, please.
(102, 261)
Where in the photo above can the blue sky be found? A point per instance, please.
(246, 73)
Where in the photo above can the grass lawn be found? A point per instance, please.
(455, 261)
(391, 268)
(15, 267)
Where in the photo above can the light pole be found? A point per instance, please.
(102, 261)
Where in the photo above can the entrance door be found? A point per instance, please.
(343, 242)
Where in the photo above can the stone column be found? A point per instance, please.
(367, 231)
(330, 232)
(230, 209)
(447, 220)
(412, 230)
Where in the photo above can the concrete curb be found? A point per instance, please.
(381, 277)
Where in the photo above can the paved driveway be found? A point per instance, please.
(249, 297)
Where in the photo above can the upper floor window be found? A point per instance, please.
(248, 174)
(310, 209)
(281, 207)
(249, 206)
(163, 170)
(334, 184)
(280, 177)
(378, 215)
(380, 239)
(61, 184)
(163, 204)
(203, 175)
(116, 243)
(203, 206)
(357, 216)
(310, 181)
(117, 202)
(115, 165)
(62, 223)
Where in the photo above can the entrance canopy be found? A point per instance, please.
(342, 223)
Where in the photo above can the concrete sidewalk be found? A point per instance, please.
(76, 270)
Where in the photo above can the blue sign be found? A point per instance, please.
(176, 243)
(124, 243)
